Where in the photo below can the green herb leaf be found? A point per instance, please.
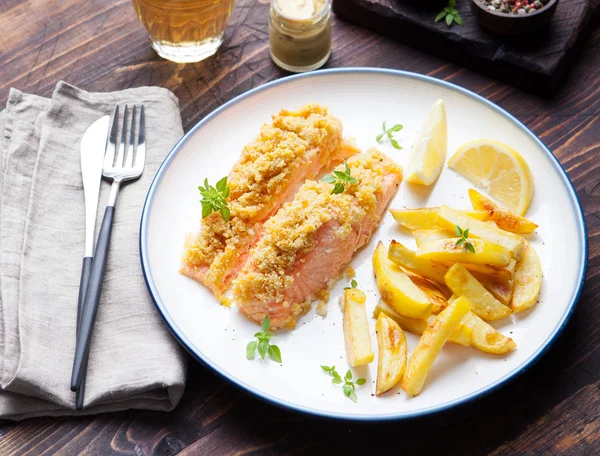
(438, 18)
(352, 396)
(389, 132)
(349, 375)
(450, 13)
(336, 375)
(470, 247)
(360, 381)
(452, 3)
(337, 189)
(459, 242)
(457, 230)
(263, 346)
(336, 381)
(214, 199)
(266, 324)
(353, 283)
(274, 353)
(458, 18)
(463, 238)
(251, 349)
(329, 178)
(448, 10)
(466, 233)
(347, 390)
(449, 19)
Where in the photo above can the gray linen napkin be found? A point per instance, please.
(134, 362)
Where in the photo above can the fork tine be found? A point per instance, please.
(140, 156)
(129, 156)
(123, 142)
(109, 156)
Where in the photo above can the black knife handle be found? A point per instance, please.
(86, 270)
(92, 298)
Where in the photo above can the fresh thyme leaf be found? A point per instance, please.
(389, 132)
(214, 199)
(348, 381)
(266, 324)
(339, 179)
(262, 345)
(274, 353)
(464, 234)
(352, 396)
(450, 13)
(251, 349)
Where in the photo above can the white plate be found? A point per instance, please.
(362, 99)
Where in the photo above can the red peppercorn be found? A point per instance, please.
(518, 5)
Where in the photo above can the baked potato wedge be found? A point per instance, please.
(431, 343)
(449, 219)
(446, 251)
(462, 283)
(407, 260)
(504, 218)
(433, 293)
(391, 353)
(426, 236)
(471, 331)
(528, 280)
(397, 289)
(425, 218)
(462, 335)
(501, 289)
(356, 328)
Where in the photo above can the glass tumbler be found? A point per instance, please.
(184, 30)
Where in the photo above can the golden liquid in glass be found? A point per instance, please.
(184, 30)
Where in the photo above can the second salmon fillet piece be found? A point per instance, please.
(306, 246)
(296, 146)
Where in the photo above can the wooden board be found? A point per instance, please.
(536, 62)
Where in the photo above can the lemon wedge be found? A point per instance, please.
(497, 168)
(428, 153)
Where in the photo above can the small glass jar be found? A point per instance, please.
(300, 44)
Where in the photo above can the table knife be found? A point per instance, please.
(93, 147)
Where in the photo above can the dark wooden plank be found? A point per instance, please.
(552, 409)
(537, 62)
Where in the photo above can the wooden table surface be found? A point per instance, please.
(552, 409)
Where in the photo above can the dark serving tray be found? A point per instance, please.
(535, 62)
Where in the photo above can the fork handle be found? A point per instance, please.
(92, 299)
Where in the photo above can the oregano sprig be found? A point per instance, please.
(348, 381)
(463, 238)
(340, 179)
(262, 343)
(451, 14)
(215, 199)
(389, 132)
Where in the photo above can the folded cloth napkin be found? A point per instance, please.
(133, 361)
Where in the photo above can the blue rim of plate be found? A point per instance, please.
(196, 353)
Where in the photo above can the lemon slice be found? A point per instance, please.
(497, 168)
(428, 153)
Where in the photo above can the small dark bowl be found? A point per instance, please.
(512, 24)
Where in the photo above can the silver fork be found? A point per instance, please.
(124, 168)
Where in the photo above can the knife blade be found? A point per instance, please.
(92, 149)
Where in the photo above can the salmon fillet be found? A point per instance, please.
(307, 245)
(296, 146)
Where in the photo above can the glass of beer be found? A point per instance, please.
(184, 30)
